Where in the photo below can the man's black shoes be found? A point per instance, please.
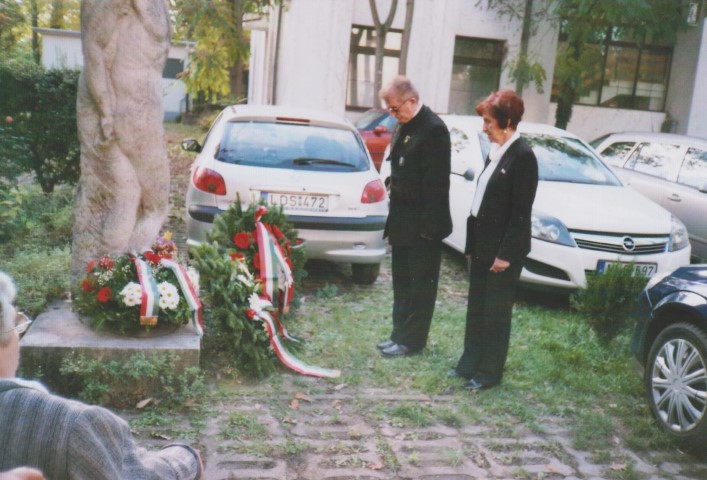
(397, 350)
(385, 344)
(474, 385)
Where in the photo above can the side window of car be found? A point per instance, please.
(693, 171)
(617, 152)
(655, 159)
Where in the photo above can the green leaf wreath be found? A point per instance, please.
(228, 265)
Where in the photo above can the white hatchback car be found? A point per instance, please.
(669, 169)
(312, 164)
(584, 218)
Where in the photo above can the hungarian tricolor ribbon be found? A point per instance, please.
(273, 267)
(188, 291)
(150, 296)
(275, 275)
(259, 311)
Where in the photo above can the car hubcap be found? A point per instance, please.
(679, 385)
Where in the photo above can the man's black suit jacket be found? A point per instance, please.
(419, 189)
(502, 226)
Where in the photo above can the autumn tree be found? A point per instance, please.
(217, 66)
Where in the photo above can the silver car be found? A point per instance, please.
(312, 164)
(669, 169)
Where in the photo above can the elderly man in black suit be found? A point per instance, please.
(419, 215)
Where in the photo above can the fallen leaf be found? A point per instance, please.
(375, 466)
(340, 386)
(302, 396)
(618, 466)
(159, 436)
(143, 403)
(294, 404)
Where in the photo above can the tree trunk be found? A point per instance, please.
(405, 41)
(524, 40)
(34, 14)
(236, 71)
(381, 32)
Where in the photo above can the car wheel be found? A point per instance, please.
(676, 382)
(365, 273)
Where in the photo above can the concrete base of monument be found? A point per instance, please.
(58, 333)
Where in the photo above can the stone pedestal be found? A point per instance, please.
(58, 332)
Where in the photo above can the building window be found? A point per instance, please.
(476, 72)
(360, 94)
(172, 68)
(623, 74)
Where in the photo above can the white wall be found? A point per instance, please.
(697, 122)
(62, 49)
(589, 123)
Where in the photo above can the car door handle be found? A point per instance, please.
(674, 198)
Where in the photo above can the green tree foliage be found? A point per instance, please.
(39, 133)
(12, 19)
(222, 46)
(585, 22)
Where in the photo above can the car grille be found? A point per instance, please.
(624, 244)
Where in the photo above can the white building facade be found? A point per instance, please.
(318, 53)
(62, 49)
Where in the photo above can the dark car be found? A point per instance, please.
(376, 127)
(670, 343)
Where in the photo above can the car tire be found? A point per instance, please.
(365, 273)
(675, 379)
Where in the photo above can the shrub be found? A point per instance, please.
(608, 299)
(125, 383)
(39, 134)
(41, 277)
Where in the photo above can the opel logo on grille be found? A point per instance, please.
(629, 244)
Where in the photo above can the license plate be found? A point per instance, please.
(643, 269)
(298, 201)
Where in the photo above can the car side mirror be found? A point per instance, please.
(191, 145)
(469, 175)
(380, 129)
(703, 188)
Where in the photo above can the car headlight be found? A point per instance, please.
(678, 235)
(550, 229)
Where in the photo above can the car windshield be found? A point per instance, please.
(565, 159)
(287, 145)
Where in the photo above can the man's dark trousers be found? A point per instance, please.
(415, 279)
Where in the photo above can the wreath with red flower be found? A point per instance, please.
(229, 265)
(110, 294)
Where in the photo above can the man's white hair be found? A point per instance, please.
(7, 296)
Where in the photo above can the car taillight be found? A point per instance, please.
(209, 181)
(374, 192)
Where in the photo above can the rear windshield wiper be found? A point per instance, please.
(320, 161)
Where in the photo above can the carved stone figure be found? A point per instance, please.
(123, 195)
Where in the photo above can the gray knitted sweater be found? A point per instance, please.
(69, 440)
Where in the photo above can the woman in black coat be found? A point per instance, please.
(498, 240)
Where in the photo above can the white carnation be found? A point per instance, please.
(132, 294)
(169, 296)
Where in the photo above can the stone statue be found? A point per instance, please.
(123, 195)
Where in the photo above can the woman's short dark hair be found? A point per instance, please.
(505, 106)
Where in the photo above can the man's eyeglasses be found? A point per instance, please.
(22, 323)
(395, 109)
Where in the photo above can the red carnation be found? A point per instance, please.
(91, 265)
(151, 257)
(104, 294)
(106, 262)
(242, 240)
(87, 285)
(251, 314)
(277, 232)
(236, 256)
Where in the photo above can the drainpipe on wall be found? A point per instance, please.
(277, 54)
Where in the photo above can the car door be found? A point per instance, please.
(651, 169)
(465, 168)
(688, 199)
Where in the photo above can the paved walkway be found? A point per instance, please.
(341, 435)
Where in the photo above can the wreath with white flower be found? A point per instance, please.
(133, 292)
